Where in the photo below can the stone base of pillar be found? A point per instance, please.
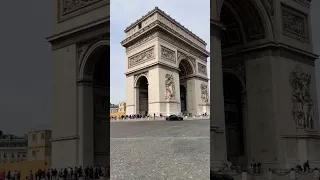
(172, 108)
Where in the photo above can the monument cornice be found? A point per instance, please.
(161, 27)
(217, 25)
(163, 65)
(151, 66)
(157, 10)
(275, 49)
(105, 22)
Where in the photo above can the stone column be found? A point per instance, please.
(85, 124)
(219, 151)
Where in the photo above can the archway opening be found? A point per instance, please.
(244, 27)
(97, 72)
(233, 107)
(143, 94)
(183, 99)
(185, 70)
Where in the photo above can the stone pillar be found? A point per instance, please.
(85, 124)
(216, 98)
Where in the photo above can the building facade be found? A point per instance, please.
(166, 68)
(39, 145)
(263, 84)
(13, 149)
(114, 108)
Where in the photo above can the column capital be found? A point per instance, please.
(216, 28)
(217, 25)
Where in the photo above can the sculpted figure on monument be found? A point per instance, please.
(170, 88)
(204, 92)
(302, 109)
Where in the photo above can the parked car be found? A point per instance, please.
(174, 118)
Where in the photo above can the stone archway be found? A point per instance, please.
(94, 98)
(168, 61)
(183, 99)
(234, 118)
(185, 74)
(142, 95)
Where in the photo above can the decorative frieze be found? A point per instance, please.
(294, 23)
(204, 93)
(70, 8)
(173, 40)
(302, 103)
(141, 57)
(148, 37)
(170, 87)
(202, 69)
(168, 54)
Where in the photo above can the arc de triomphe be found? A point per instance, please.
(166, 69)
(263, 86)
(81, 66)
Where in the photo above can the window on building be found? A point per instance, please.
(12, 155)
(4, 155)
(42, 136)
(33, 137)
(33, 153)
(24, 155)
(139, 25)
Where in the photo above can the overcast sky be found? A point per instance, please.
(198, 22)
(25, 70)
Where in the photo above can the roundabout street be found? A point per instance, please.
(160, 150)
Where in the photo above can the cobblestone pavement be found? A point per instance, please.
(152, 150)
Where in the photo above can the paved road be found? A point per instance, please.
(152, 150)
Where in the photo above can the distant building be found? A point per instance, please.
(13, 149)
(118, 110)
(39, 145)
(31, 152)
(114, 108)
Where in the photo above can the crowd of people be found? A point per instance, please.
(88, 173)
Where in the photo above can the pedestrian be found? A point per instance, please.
(30, 175)
(18, 175)
(2, 175)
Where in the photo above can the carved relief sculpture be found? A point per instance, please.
(294, 23)
(170, 87)
(302, 109)
(168, 54)
(71, 8)
(204, 93)
(148, 37)
(202, 69)
(141, 57)
(71, 5)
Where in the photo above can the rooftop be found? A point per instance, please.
(157, 10)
